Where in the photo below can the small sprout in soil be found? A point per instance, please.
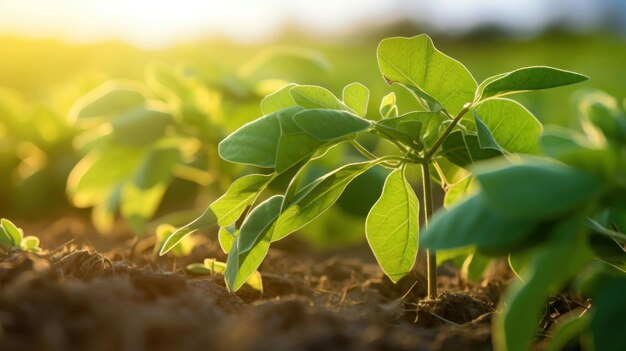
(13, 237)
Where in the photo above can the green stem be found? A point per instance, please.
(365, 152)
(431, 259)
(604, 231)
(446, 132)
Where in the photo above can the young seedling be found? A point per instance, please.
(13, 237)
(558, 219)
(460, 122)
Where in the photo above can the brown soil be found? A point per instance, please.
(123, 298)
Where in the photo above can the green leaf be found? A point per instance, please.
(330, 125)
(568, 330)
(206, 220)
(255, 143)
(575, 151)
(537, 190)
(31, 244)
(551, 267)
(388, 107)
(278, 100)
(156, 167)
(241, 193)
(314, 199)
(464, 149)
(512, 126)
(425, 71)
(108, 100)
(294, 145)
(486, 140)
(137, 205)
(227, 237)
(140, 126)
(5, 239)
(472, 222)
(252, 243)
(607, 324)
(258, 222)
(12, 231)
(310, 96)
(392, 227)
(414, 129)
(356, 96)
(526, 79)
(459, 190)
(167, 82)
(181, 249)
(99, 170)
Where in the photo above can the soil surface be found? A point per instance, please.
(113, 293)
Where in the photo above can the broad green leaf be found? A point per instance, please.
(140, 126)
(392, 227)
(472, 222)
(99, 170)
(573, 150)
(12, 231)
(464, 149)
(258, 222)
(512, 126)
(278, 100)
(310, 96)
(137, 205)
(607, 248)
(526, 79)
(421, 128)
(227, 237)
(207, 219)
(425, 71)
(314, 199)
(567, 330)
(537, 190)
(254, 237)
(294, 144)
(167, 82)
(388, 107)
(330, 125)
(241, 193)
(602, 119)
(486, 140)
(5, 238)
(31, 244)
(182, 249)
(255, 143)
(156, 167)
(108, 100)
(550, 268)
(607, 323)
(459, 190)
(356, 96)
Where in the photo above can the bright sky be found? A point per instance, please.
(157, 23)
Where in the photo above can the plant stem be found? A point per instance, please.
(610, 233)
(431, 259)
(428, 154)
(365, 152)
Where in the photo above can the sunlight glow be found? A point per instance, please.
(159, 23)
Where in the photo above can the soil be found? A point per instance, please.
(112, 293)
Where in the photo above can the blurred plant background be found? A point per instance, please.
(114, 109)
